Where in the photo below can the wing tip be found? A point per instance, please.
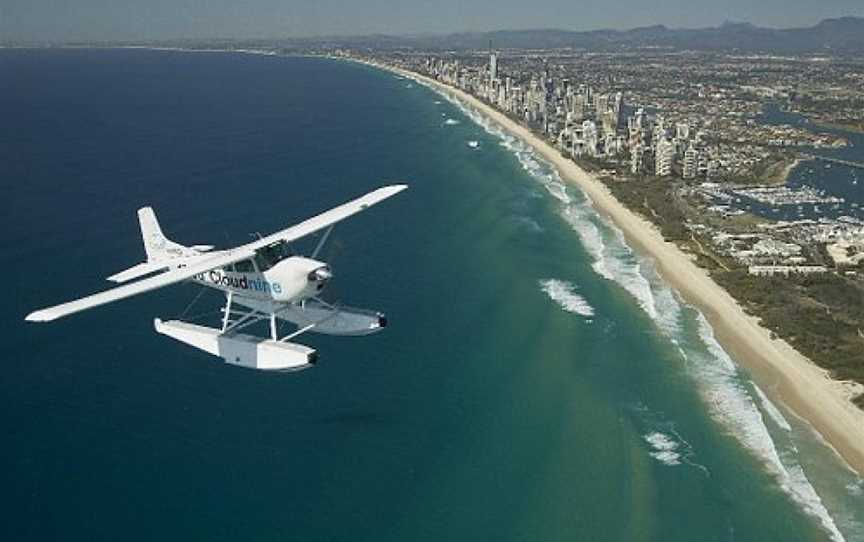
(393, 189)
(38, 316)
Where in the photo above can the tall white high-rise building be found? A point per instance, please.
(659, 132)
(589, 137)
(493, 66)
(664, 157)
(636, 153)
(609, 122)
(601, 103)
(691, 163)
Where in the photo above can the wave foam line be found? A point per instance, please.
(664, 448)
(563, 293)
(736, 409)
(772, 410)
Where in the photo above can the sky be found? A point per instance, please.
(96, 20)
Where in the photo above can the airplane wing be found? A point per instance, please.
(159, 281)
(328, 218)
(216, 259)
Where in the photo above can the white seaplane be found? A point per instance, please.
(262, 281)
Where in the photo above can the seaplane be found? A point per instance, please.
(263, 281)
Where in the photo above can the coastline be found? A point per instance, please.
(780, 178)
(807, 390)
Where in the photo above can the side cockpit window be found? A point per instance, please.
(244, 266)
(270, 255)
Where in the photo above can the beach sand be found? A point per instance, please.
(786, 375)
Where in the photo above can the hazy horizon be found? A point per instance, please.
(103, 20)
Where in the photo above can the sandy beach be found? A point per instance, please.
(787, 376)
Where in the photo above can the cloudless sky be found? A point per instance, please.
(69, 20)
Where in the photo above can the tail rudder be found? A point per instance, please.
(157, 246)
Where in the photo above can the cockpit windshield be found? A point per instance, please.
(268, 256)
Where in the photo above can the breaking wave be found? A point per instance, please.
(563, 293)
(728, 397)
(664, 448)
(772, 411)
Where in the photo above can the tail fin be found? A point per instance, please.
(157, 246)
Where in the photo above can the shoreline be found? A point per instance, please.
(786, 375)
(782, 178)
(850, 128)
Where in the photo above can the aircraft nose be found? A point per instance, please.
(322, 274)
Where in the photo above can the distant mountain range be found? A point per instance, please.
(844, 35)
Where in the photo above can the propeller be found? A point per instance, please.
(334, 250)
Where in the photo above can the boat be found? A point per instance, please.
(474, 144)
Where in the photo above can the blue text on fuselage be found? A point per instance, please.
(239, 281)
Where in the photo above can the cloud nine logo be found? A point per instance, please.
(240, 282)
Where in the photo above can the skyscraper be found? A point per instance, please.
(691, 163)
(664, 157)
(493, 66)
(636, 153)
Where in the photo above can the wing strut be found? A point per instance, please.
(323, 240)
(227, 314)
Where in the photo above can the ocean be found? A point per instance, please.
(537, 380)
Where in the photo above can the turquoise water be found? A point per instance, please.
(537, 381)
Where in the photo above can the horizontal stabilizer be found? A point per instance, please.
(137, 271)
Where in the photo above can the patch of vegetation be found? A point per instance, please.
(820, 315)
(656, 199)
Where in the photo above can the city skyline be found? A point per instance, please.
(97, 20)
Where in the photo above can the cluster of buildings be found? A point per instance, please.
(585, 122)
(843, 238)
(785, 247)
(699, 120)
(696, 118)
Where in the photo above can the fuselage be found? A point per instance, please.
(289, 280)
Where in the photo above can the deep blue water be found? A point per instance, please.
(485, 411)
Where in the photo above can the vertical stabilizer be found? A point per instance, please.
(157, 246)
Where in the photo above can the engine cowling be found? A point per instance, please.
(298, 278)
